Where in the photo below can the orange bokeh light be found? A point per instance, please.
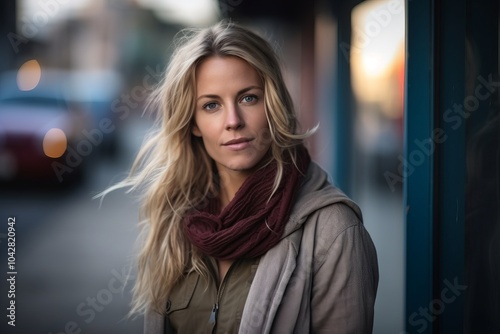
(29, 75)
(55, 143)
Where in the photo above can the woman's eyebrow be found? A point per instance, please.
(241, 91)
(244, 90)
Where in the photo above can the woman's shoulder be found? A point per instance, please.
(336, 231)
(335, 219)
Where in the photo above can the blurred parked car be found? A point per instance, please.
(41, 131)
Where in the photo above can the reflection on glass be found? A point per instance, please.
(482, 234)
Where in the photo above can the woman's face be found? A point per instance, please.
(230, 116)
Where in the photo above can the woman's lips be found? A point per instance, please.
(238, 144)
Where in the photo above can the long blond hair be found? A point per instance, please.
(174, 172)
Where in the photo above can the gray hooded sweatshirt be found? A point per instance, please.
(321, 277)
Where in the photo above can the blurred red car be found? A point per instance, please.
(38, 129)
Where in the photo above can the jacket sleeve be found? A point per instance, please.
(153, 323)
(346, 275)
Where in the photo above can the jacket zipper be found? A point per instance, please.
(220, 291)
(213, 315)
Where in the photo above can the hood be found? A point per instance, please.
(316, 193)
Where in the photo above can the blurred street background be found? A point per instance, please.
(74, 81)
(73, 254)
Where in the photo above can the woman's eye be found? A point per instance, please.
(249, 99)
(210, 106)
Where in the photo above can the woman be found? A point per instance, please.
(243, 233)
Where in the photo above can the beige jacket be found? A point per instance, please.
(321, 278)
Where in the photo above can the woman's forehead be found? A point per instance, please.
(225, 73)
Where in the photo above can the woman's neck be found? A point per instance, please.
(230, 182)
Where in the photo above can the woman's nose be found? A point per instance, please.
(234, 119)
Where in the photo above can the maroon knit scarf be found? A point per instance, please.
(249, 225)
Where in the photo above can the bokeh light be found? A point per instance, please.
(29, 75)
(377, 56)
(55, 143)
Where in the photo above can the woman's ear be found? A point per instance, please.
(195, 130)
